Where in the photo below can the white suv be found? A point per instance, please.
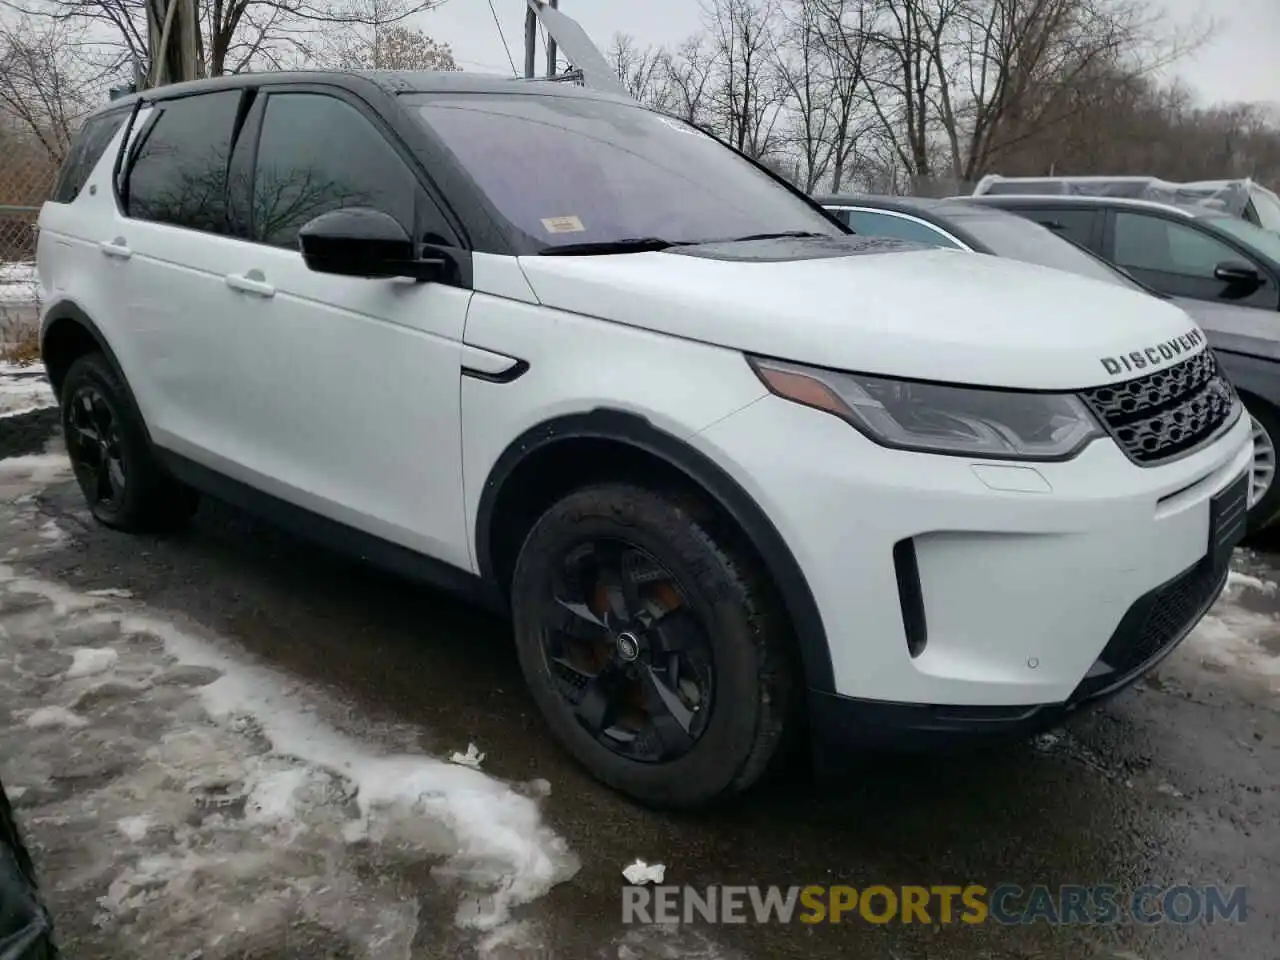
(736, 473)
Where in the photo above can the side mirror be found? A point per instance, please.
(361, 242)
(1237, 274)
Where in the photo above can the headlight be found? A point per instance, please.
(937, 418)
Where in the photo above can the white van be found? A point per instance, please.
(737, 474)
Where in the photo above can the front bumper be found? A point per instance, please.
(1149, 632)
(957, 582)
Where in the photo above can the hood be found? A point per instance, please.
(904, 311)
(1229, 326)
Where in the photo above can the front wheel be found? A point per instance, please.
(656, 652)
(1264, 490)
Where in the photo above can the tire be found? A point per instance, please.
(1266, 426)
(136, 494)
(742, 633)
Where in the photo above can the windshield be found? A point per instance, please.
(1018, 238)
(1267, 244)
(1268, 208)
(570, 170)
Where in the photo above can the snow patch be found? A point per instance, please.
(19, 284)
(1235, 638)
(115, 592)
(23, 392)
(134, 828)
(641, 873)
(44, 718)
(1237, 581)
(38, 468)
(472, 758)
(493, 838)
(88, 662)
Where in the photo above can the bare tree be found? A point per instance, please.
(642, 72)
(690, 71)
(1016, 66)
(236, 35)
(821, 66)
(379, 40)
(747, 94)
(48, 81)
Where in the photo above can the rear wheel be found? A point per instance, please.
(1264, 490)
(118, 474)
(655, 650)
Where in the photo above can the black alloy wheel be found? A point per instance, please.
(123, 484)
(628, 652)
(654, 644)
(95, 447)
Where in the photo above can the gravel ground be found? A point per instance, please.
(227, 743)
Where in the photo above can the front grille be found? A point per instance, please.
(1165, 413)
(1160, 619)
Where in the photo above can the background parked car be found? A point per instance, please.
(1193, 252)
(26, 932)
(1246, 341)
(1243, 197)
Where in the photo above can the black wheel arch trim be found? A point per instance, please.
(637, 432)
(68, 310)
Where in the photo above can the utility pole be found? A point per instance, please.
(531, 41)
(551, 43)
(171, 42)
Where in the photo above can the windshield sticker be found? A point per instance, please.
(563, 225)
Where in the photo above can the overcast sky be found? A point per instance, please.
(1240, 64)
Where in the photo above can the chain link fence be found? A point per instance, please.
(27, 173)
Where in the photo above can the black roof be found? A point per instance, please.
(389, 81)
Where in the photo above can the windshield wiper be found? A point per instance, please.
(798, 234)
(601, 247)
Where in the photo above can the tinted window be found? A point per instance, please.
(1255, 238)
(319, 154)
(1151, 243)
(1076, 224)
(179, 174)
(1268, 210)
(87, 149)
(897, 228)
(575, 170)
(1009, 235)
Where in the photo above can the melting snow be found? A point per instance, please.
(45, 717)
(241, 791)
(86, 662)
(1239, 639)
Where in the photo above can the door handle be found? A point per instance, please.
(118, 248)
(252, 282)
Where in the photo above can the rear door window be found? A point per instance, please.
(86, 151)
(179, 171)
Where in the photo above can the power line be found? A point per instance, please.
(506, 46)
